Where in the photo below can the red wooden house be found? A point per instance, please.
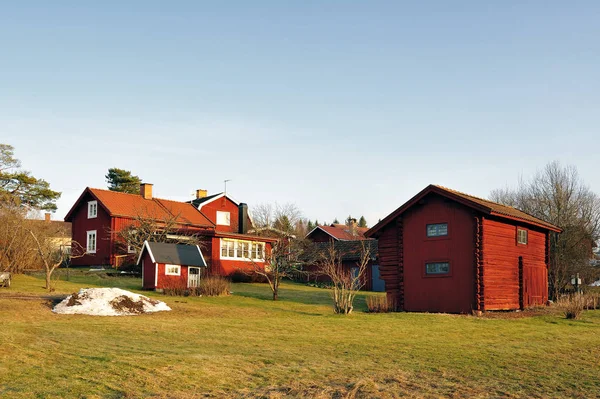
(446, 251)
(98, 215)
(346, 239)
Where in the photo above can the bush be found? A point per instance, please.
(572, 306)
(592, 301)
(214, 286)
(378, 304)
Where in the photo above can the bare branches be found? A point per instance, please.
(558, 195)
(346, 281)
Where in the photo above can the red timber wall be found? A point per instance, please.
(81, 225)
(165, 281)
(453, 292)
(390, 249)
(227, 267)
(225, 205)
(507, 282)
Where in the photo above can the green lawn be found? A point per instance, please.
(247, 345)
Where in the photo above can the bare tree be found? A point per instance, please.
(17, 250)
(346, 282)
(284, 258)
(52, 255)
(558, 195)
(145, 227)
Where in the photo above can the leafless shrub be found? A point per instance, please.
(346, 282)
(214, 286)
(378, 304)
(572, 305)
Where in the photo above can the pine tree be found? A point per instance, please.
(362, 222)
(123, 181)
(335, 221)
(18, 186)
(310, 226)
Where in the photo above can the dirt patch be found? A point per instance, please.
(73, 300)
(531, 312)
(124, 303)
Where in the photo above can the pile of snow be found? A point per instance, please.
(108, 302)
(595, 284)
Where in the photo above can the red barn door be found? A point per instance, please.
(535, 283)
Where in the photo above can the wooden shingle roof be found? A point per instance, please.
(485, 206)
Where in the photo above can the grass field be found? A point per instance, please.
(246, 345)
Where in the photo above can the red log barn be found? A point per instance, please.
(446, 251)
(171, 265)
(98, 216)
(346, 239)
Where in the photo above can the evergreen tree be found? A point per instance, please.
(335, 221)
(317, 222)
(123, 181)
(362, 222)
(20, 187)
(310, 226)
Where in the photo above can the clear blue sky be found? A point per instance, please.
(341, 107)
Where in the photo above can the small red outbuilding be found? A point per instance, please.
(446, 251)
(171, 265)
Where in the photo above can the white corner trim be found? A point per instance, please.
(155, 275)
(324, 231)
(146, 246)
(202, 256)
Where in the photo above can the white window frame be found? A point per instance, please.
(223, 218)
(92, 209)
(88, 249)
(130, 249)
(238, 246)
(525, 234)
(167, 273)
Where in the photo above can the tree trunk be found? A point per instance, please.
(48, 275)
(275, 294)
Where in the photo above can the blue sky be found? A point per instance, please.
(342, 107)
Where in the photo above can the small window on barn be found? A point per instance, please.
(223, 218)
(436, 268)
(92, 209)
(172, 270)
(437, 230)
(130, 249)
(522, 236)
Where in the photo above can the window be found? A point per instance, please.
(223, 218)
(91, 242)
(92, 209)
(130, 249)
(242, 250)
(521, 236)
(437, 230)
(437, 268)
(172, 270)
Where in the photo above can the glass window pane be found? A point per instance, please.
(438, 229)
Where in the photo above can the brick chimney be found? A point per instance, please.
(201, 193)
(146, 190)
(47, 217)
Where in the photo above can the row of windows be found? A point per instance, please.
(242, 250)
(441, 230)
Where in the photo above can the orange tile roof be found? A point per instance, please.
(342, 232)
(134, 205)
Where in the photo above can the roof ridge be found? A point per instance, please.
(137, 195)
(476, 197)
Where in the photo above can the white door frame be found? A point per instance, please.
(190, 274)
